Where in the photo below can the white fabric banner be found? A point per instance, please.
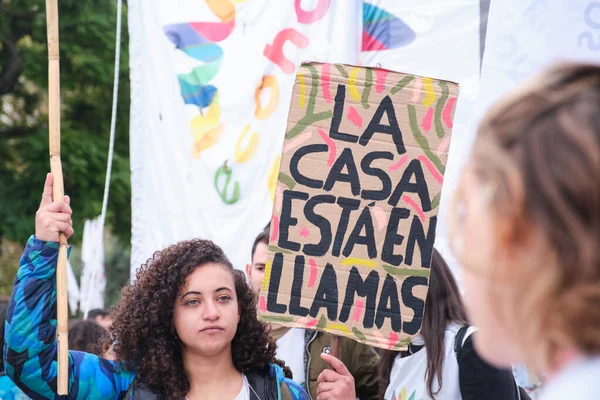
(211, 85)
(72, 289)
(93, 280)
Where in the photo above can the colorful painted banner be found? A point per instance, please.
(211, 83)
(356, 202)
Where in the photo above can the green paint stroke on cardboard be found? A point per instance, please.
(436, 201)
(272, 318)
(307, 121)
(286, 180)
(314, 89)
(367, 90)
(276, 249)
(359, 334)
(322, 322)
(439, 108)
(400, 85)
(403, 343)
(405, 271)
(341, 70)
(422, 140)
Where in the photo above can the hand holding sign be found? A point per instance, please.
(52, 218)
(335, 384)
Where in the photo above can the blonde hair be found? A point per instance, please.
(539, 151)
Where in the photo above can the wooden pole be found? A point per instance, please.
(336, 346)
(57, 193)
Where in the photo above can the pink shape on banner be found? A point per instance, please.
(325, 78)
(417, 89)
(431, 168)
(414, 205)
(331, 144)
(428, 120)
(358, 310)
(304, 232)
(274, 52)
(312, 323)
(381, 74)
(213, 31)
(380, 217)
(275, 225)
(313, 272)
(444, 146)
(398, 164)
(308, 17)
(355, 117)
(447, 114)
(393, 339)
(292, 144)
(262, 303)
(373, 43)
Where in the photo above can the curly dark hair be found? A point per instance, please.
(143, 321)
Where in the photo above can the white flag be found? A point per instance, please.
(93, 280)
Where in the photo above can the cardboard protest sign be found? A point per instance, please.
(356, 203)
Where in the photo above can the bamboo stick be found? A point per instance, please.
(57, 192)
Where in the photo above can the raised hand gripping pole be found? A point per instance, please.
(57, 193)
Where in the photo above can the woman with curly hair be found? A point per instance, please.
(186, 329)
(526, 226)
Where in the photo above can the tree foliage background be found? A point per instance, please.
(87, 47)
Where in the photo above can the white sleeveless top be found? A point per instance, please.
(408, 379)
(244, 393)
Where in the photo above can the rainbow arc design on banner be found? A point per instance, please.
(382, 30)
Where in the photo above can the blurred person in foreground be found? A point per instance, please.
(525, 224)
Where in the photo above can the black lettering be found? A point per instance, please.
(389, 295)
(286, 220)
(297, 285)
(274, 281)
(413, 302)
(346, 159)
(392, 238)
(417, 235)
(348, 205)
(419, 186)
(327, 294)
(296, 174)
(338, 112)
(375, 126)
(319, 249)
(386, 183)
(364, 221)
(367, 288)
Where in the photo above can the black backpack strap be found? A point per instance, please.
(459, 340)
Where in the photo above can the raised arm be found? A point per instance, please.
(30, 334)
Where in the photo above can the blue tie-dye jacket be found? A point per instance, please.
(30, 339)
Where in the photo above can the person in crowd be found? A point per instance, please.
(90, 337)
(526, 226)
(440, 362)
(8, 389)
(187, 328)
(101, 317)
(306, 364)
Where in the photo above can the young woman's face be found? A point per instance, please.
(206, 311)
(472, 231)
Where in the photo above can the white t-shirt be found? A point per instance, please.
(244, 393)
(290, 349)
(577, 382)
(408, 378)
